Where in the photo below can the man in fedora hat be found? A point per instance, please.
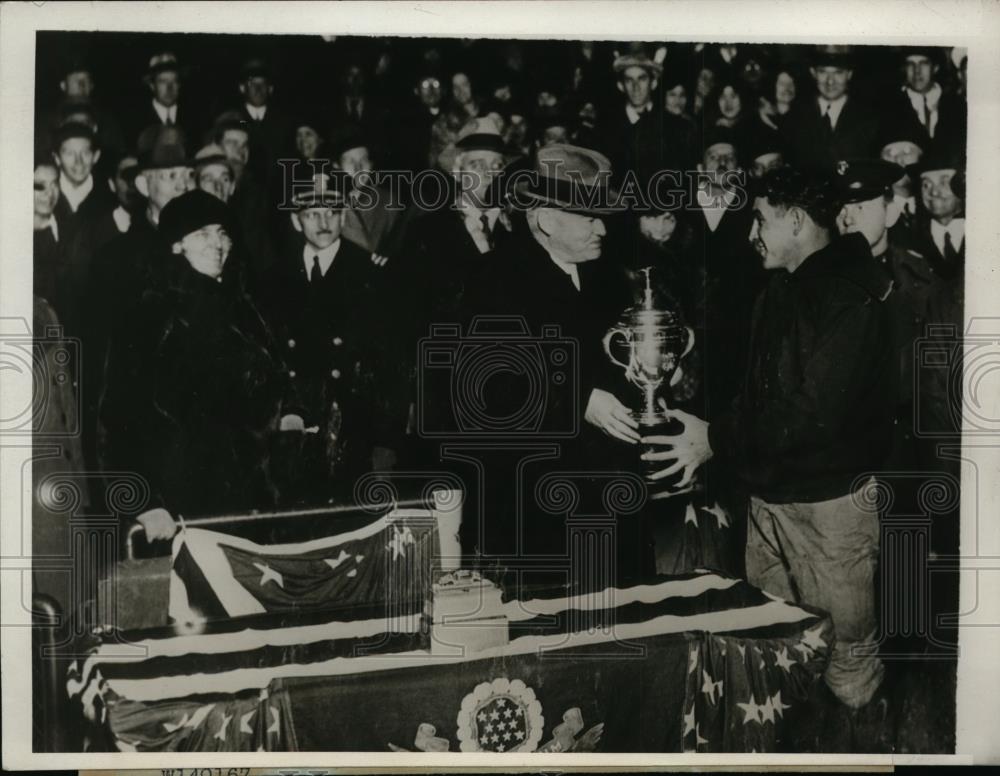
(325, 301)
(553, 273)
(130, 265)
(833, 125)
(452, 244)
(268, 127)
(163, 79)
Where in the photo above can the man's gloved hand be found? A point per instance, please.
(611, 416)
(158, 524)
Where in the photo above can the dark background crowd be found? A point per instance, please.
(250, 340)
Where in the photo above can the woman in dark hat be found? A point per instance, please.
(211, 387)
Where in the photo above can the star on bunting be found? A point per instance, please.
(267, 574)
(751, 711)
(334, 562)
(813, 638)
(709, 687)
(781, 659)
(226, 719)
(719, 514)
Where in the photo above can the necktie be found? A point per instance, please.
(927, 115)
(485, 221)
(316, 274)
(950, 254)
(829, 119)
(170, 117)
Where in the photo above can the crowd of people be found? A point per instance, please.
(250, 286)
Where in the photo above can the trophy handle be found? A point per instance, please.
(690, 333)
(607, 345)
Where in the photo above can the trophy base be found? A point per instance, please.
(657, 424)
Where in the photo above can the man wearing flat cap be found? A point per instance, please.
(641, 137)
(833, 125)
(213, 172)
(249, 199)
(325, 301)
(78, 95)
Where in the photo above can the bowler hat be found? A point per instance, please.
(253, 68)
(833, 56)
(933, 53)
(716, 134)
(570, 178)
(481, 134)
(161, 148)
(190, 212)
(943, 157)
(347, 138)
(940, 156)
(859, 180)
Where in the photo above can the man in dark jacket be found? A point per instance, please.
(832, 125)
(325, 301)
(123, 273)
(641, 137)
(813, 421)
(922, 109)
(551, 277)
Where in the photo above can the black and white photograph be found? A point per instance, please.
(543, 393)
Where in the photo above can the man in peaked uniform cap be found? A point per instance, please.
(865, 190)
(324, 299)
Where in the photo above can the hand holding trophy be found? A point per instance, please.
(655, 340)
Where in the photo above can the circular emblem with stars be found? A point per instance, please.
(500, 716)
